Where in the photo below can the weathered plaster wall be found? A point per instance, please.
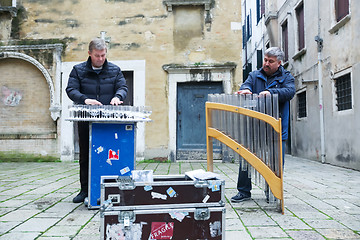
(139, 30)
(340, 54)
(26, 124)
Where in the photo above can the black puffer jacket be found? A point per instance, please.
(85, 83)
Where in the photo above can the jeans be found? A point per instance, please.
(244, 181)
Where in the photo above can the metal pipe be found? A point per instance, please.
(319, 41)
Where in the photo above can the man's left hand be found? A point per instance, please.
(116, 101)
(266, 92)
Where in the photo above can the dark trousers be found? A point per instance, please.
(244, 181)
(83, 129)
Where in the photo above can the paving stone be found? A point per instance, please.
(255, 218)
(305, 235)
(61, 231)
(7, 226)
(92, 228)
(339, 234)
(230, 212)
(19, 215)
(308, 215)
(290, 222)
(243, 235)
(14, 203)
(20, 235)
(4, 211)
(234, 224)
(36, 225)
(86, 237)
(317, 224)
(63, 207)
(267, 232)
(75, 218)
(54, 238)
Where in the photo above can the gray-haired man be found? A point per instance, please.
(94, 82)
(272, 78)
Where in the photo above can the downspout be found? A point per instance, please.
(246, 59)
(319, 41)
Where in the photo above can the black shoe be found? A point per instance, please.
(240, 197)
(80, 197)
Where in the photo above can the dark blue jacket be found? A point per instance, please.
(85, 83)
(281, 83)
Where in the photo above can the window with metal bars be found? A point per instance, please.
(343, 92)
(301, 104)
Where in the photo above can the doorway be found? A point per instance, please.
(191, 122)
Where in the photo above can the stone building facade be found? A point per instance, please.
(159, 44)
(319, 40)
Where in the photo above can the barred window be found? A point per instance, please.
(343, 92)
(301, 104)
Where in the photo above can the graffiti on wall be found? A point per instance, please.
(10, 97)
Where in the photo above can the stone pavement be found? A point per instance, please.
(321, 202)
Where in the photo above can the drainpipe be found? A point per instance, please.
(319, 41)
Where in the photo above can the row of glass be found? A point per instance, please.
(109, 112)
(255, 135)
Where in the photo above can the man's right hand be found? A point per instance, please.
(245, 91)
(92, 102)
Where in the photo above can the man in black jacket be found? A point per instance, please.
(94, 82)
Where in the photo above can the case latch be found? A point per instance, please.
(126, 218)
(125, 183)
(202, 214)
(201, 183)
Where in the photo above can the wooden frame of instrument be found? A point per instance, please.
(275, 182)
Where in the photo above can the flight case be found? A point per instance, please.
(164, 191)
(170, 223)
(162, 207)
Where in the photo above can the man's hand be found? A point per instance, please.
(245, 91)
(263, 93)
(116, 101)
(92, 102)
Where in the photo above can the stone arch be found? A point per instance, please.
(42, 69)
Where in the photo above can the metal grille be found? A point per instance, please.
(343, 92)
(301, 104)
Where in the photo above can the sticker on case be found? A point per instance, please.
(206, 198)
(161, 230)
(171, 192)
(124, 170)
(116, 136)
(99, 150)
(178, 215)
(158, 195)
(148, 188)
(112, 155)
(119, 231)
(215, 229)
(214, 185)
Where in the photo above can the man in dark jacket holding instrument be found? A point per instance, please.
(94, 82)
(272, 78)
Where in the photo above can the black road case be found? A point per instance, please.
(165, 191)
(170, 223)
